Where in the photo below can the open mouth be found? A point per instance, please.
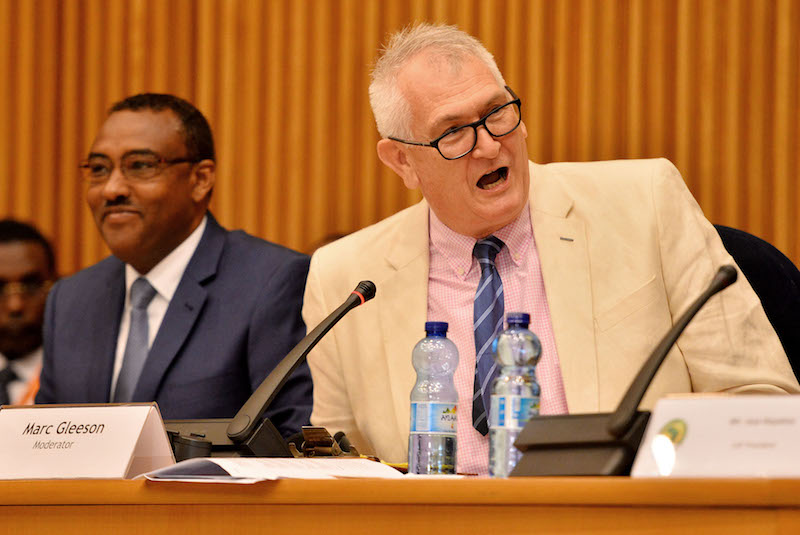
(492, 180)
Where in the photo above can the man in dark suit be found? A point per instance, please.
(27, 270)
(185, 313)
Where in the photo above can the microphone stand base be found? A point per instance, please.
(577, 445)
(209, 438)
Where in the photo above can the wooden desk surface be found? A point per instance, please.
(519, 505)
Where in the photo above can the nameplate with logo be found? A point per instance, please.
(82, 441)
(721, 436)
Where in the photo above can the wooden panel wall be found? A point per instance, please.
(713, 85)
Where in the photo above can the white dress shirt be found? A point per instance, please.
(27, 369)
(164, 277)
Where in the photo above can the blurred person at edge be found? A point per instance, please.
(27, 270)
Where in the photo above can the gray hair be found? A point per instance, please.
(389, 105)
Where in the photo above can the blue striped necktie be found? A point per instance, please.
(137, 347)
(488, 321)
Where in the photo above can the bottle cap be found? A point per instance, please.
(518, 318)
(436, 327)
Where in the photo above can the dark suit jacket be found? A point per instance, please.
(234, 316)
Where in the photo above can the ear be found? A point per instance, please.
(205, 177)
(524, 130)
(395, 156)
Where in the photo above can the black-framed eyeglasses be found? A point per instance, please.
(24, 288)
(459, 141)
(135, 166)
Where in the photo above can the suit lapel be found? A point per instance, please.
(405, 308)
(563, 253)
(183, 311)
(105, 325)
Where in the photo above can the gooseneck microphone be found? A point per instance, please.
(622, 418)
(247, 433)
(603, 444)
(250, 414)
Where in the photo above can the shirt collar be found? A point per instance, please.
(25, 367)
(167, 274)
(457, 248)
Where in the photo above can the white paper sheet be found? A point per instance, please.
(252, 470)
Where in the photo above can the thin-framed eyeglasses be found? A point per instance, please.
(23, 288)
(459, 141)
(135, 166)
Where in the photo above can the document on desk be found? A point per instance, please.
(253, 470)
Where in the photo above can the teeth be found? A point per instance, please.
(497, 176)
(493, 184)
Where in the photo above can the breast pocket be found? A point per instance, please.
(629, 305)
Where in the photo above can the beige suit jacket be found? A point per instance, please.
(624, 248)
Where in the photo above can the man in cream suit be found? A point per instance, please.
(605, 256)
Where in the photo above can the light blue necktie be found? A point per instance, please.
(488, 322)
(136, 348)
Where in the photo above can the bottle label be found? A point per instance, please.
(512, 412)
(431, 418)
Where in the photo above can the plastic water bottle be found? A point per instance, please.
(432, 437)
(515, 392)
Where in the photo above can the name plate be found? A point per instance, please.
(724, 436)
(82, 441)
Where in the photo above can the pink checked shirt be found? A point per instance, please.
(452, 280)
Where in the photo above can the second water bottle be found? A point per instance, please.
(515, 392)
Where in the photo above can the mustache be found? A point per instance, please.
(119, 201)
(19, 328)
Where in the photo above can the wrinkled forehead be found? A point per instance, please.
(427, 70)
(128, 130)
(446, 87)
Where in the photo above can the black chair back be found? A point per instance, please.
(776, 281)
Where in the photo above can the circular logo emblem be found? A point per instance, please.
(674, 430)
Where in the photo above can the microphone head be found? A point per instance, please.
(726, 275)
(365, 289)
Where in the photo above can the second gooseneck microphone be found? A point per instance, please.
(245, 421)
